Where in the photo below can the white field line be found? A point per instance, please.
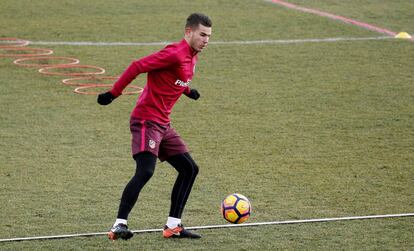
(218, 226)
(236, 42)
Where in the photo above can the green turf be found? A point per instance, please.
(308, 130)
(156, 20)
(397, 15)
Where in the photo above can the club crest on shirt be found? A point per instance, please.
(151, 143)
(182, 83)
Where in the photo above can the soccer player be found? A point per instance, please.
(169, 73)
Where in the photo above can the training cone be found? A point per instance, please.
(404, 35)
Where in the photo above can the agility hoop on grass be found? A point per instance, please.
(12, 42)
(38, 52)
(70, 61)
(80, 90)
(65, 236)
(65, 66)
(92, 80)
(99, 70)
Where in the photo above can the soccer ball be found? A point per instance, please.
(236, 208)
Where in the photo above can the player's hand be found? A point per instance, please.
(105, 98)
(194, 94)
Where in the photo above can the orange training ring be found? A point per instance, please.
(46, 71)
(80, 89)
(42, 52)
(71, 61)
(72, 81)
(11, 42)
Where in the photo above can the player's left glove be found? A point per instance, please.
(193, 94)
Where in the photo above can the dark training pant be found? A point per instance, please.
(187, 171)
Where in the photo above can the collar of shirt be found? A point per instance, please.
(191, 50)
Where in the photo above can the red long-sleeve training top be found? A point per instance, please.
(170, 72)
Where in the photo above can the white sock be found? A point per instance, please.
(173, 222)
(120, 221)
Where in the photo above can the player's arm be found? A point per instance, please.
(156, 61)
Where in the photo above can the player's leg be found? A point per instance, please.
(187, 172)
(145, 140)
(145, 165)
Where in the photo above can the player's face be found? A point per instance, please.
(198, 37)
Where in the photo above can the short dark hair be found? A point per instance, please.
(198, 18)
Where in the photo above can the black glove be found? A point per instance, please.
(194, 94)
(105, 98)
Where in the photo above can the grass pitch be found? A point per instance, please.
(307, 130)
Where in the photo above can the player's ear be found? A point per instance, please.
(188, 31)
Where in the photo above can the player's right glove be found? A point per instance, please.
(105, 98)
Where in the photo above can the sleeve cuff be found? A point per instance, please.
(115, 93)
(187, 90)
